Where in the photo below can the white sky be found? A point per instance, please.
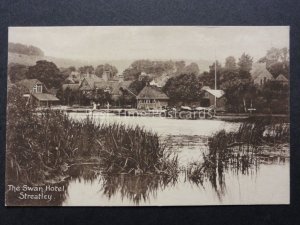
(152, 42)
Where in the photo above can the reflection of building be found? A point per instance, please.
(151, 97)
(213, 98)
(37, 94)
(260, 75)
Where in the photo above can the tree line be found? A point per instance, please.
(184, 81)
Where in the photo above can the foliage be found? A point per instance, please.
(277, 61)
(239, 150)
(245, 66)
(185, 87)
(98, 96)
(17, 72)
(106, 67)
(159, 68)
(41, 145)
(86, 70)
(274, 97)
(230, 64)
(46, 72)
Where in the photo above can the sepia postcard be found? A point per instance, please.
(148, 116)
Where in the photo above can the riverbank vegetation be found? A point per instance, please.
(42, 146)
(254, 142)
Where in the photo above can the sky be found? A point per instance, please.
(152, 42)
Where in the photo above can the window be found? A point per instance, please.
(39, 88)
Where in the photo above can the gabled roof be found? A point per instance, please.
(114, 86)
(282, 78)
(259, 70)
(216, 93)
(45, 97)
(152, 92)
(91, 79)
(29, 83)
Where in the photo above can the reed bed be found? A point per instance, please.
(41, 146)
(240, 150)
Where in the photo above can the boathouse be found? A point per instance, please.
(213, 98)
(152, 97)
(37, 94)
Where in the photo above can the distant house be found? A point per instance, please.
(282, 79)
(260, 75)
(152, 97)
(213, 98)
(37, 94)
(90, 82)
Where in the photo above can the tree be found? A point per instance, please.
(155, 68)
(17, 72)
(230, 64)
(98, 96)
(100, 69)
(239, 93)
(46, 72)
(192, 68)
(185, 88)
(245, 66)
(275, 97)
(207, 79)
(86, 69)
(277, 61)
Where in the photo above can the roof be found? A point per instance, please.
(260, 70)
(29, 83)
(45, 97)
(216, 93)
(205, 88)
(73, 87)
(282, 78)
(91, 79)
(113, 85)
(152, 92)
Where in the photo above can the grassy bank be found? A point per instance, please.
(41, 146)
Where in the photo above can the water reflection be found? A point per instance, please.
(219, 185)
(265, 182)
(136, 188)
(237, 179)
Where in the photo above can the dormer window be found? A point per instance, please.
(38, 88)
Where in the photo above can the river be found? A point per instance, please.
(268, 183)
